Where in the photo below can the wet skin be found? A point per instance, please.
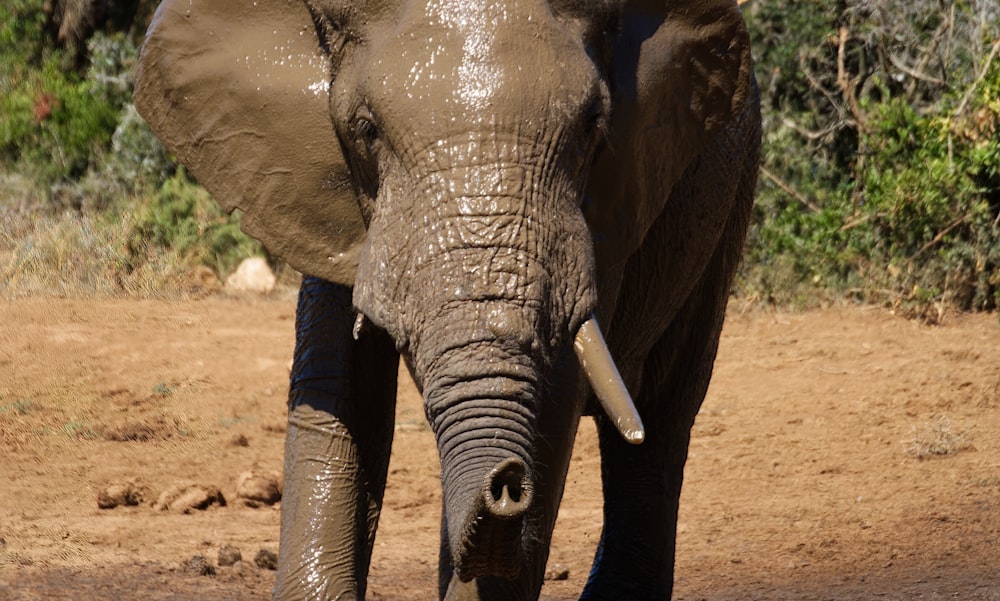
(496, 174)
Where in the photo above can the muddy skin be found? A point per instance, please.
(481, 179)
(341, 405)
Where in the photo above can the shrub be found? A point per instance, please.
(91, 201)
(22, 40)
(138, 161)
(183, 221)
(880, 163)
(55, 125)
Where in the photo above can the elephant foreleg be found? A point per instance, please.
(340, 423)
(642, 483)
(642, 486)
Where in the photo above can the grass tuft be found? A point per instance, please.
(937, 439)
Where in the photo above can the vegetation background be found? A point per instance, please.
(880, 180)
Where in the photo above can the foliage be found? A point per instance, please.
(89, 195)
(184, 220)
(138, 160)
(938, 439)
(881, 154)
(56, 125)
(22, 40)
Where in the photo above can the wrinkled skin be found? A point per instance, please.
(519, 166)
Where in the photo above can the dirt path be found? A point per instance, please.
(803, 480)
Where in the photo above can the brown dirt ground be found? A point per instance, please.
(803, 481)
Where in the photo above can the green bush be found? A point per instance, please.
(88, 196)
(137, 161)
(61, 128)
(880, 160)
(54, 125)
(182, 220)
(23, 40)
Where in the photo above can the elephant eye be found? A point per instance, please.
(365, 158)
(597, 119)
(366, 132)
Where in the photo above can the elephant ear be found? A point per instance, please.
(681, 74)
(238, 91)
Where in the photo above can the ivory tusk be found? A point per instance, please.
(592, 351)
(360, 325)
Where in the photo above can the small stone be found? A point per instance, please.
(229, 555)
(266, 560)
(557, 572)
(239, 440)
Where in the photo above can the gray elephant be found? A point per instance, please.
(499, 178)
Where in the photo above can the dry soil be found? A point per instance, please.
(844, 453)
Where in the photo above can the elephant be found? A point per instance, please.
(473, 186)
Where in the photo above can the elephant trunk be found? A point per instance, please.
(481, 395)
(481, 294)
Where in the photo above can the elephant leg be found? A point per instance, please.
(642, 483)
(340, 422)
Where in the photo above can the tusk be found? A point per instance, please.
(360, 325)
(607, 383)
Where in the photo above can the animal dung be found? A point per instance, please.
(254, 489)
(189, 497)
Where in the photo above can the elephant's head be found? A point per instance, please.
(488, 160)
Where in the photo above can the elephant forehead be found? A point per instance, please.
(478, 77)
(461, 64)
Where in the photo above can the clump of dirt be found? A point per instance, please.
(199, 566)
(229, 555)
(556, 571)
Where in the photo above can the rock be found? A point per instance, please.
(266, 560)
(229, 555)
(122, 493)
(255, 489)
(239, 440)
(187, 497)
(253, 275)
